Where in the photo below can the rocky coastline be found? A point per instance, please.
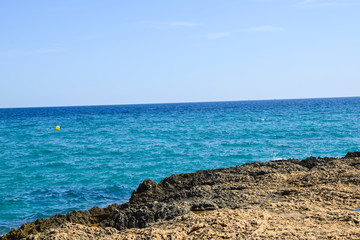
(315, 198)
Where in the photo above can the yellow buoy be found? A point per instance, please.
(57, 128)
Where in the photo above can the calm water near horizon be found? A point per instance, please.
(102, 153)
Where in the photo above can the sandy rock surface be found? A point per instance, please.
(221, 224)
(287, 199)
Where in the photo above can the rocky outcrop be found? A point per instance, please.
(91, 217)
(312, 192)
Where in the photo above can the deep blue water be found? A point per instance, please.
(102, 153)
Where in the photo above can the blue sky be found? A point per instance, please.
(86, 52)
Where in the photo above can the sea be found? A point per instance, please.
(102, 153)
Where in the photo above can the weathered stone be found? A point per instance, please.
(287, 198)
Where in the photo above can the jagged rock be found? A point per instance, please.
(318, 190)
(146, 192)
(89, 218)
(141, 215)
(352, 155)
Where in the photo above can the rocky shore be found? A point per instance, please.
(315, 198)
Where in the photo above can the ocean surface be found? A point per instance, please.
(102, 153)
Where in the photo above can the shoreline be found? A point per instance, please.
(312, 198)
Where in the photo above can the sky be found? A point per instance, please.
(87, 52)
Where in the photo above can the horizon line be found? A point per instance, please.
(158, 103)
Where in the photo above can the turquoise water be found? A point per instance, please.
(102, 153)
